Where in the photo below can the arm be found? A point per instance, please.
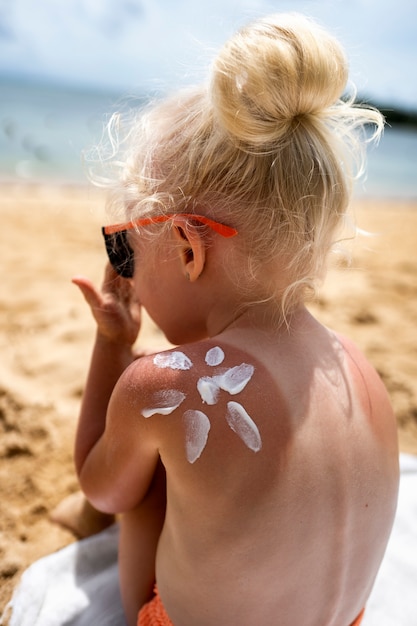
(118, 324)
(115, 458)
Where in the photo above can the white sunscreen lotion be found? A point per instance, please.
(208, 389)
(235, 379)
(243, 425)
(214, 356)
(165, 402)
(174, 360)
(197, 427)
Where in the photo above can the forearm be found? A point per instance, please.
(108, 362)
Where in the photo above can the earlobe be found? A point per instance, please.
(191, 248)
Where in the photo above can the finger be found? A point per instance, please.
(113, 284)
(90, 293)
(111, 279)
(116, 285)
(126, 291)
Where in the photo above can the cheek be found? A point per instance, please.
(170, 309)
(154, 286)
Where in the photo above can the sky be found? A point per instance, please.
(123, 45)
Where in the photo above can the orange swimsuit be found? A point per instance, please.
(359, 618)
(153, 614)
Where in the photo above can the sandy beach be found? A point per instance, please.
(49, 234)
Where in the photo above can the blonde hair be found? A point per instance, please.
(268, 145)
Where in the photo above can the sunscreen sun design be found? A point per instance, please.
(196, 423)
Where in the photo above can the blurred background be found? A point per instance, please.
(66, 65)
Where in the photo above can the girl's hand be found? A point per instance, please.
(114, 307)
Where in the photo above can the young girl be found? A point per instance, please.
(255, 466)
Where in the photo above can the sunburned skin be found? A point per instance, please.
(197, 425)
(165, 402)
(243, 425)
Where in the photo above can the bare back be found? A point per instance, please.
(291, 527)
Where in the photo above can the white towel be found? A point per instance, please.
(78, 585)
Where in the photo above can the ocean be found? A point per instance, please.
(44, 130)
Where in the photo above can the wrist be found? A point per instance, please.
(114, 344)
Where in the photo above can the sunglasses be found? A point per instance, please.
(121, 255)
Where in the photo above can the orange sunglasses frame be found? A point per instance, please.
(120, 253)
(221, 229)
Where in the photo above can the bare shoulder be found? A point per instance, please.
(360, 365)
(367, 381)
(201, 387)
(165, 378)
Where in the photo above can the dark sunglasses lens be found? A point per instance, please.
(120, 254)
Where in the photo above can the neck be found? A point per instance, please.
(265, 318)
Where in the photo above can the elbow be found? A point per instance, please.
(96, 494)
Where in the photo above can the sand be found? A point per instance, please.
(49, 234)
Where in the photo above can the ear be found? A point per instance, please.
(191, 248)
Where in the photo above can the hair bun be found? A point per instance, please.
(274, 71)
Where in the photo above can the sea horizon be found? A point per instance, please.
(46, 128)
